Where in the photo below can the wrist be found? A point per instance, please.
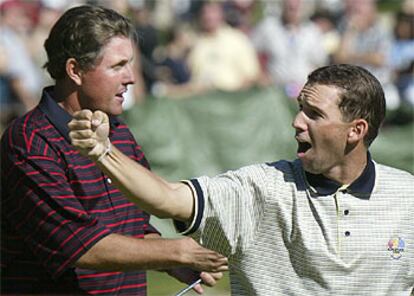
(107, 149)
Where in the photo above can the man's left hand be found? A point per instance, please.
(188, 276)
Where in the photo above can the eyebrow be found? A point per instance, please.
(302, 100)
(300, 97)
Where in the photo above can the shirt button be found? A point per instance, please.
(346, 212)
(347, 233)
(109, 181)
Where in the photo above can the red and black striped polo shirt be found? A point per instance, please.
(56, 204)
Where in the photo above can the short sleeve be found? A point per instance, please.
(228, 209)
(41, 207)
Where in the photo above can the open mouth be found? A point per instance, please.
(121, 93)
(120, 96)
(303, 147)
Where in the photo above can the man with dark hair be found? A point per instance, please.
(331, 222)
(65, 228)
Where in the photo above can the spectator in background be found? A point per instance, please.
(172, 57)
(402, 57)
(48, 13)
(291, 46)
(20, 79)
(325, 20)
(367, 42)
(222, 58)
(148, 42)
(240, 14)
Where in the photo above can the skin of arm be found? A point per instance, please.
(154, 253)
(89, 134)
(177, 257)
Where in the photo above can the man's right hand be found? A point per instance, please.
(199, 258)
(89, 133)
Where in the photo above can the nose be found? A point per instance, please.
(129, 76)
(298, 122)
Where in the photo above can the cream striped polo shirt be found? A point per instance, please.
(284, 236)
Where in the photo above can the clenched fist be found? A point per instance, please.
(89, 133)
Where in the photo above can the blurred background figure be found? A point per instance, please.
(171, 58)
(241, 14)
(222, 57)
(20, 78)
(290, 45)
(402, 57)
(48, 11)
(324, 19)
(367, 42)
(148, 40)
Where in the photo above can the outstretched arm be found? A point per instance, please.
(119, 252)
(89, 133)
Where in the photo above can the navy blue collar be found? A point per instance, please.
(58, 116)
(362, 187)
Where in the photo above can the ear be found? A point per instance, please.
(73, 71)
(357, 131)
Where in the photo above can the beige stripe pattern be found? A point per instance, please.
(281, 240)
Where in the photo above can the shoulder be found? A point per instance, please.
(234, 35)
(24, 131)
(269, 24)
(31, 142)
(271, 173)
(285, 167)
(392, 171)
(311, 30)
(394, 178)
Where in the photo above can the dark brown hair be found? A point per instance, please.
(80, 33)
(362, 95)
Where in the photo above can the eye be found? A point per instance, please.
(311, 113)
(119, 66)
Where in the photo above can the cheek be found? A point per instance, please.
(101, 80)
(334, 140)
(328, 138)
(102, 89)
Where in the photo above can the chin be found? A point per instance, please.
(116, 111)
(310, 168)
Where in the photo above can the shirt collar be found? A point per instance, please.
(58, 116)
(362, 187)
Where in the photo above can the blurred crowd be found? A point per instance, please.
(186, 47)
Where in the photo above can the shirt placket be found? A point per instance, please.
(340, 233)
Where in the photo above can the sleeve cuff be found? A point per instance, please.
(89, 240)
(189, 228)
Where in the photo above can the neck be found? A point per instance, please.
(351, 169)
(66, 96)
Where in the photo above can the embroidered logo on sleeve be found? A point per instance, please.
(396, 247)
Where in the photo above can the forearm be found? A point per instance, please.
(122, 253)
(89, 133)
(150, 192)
